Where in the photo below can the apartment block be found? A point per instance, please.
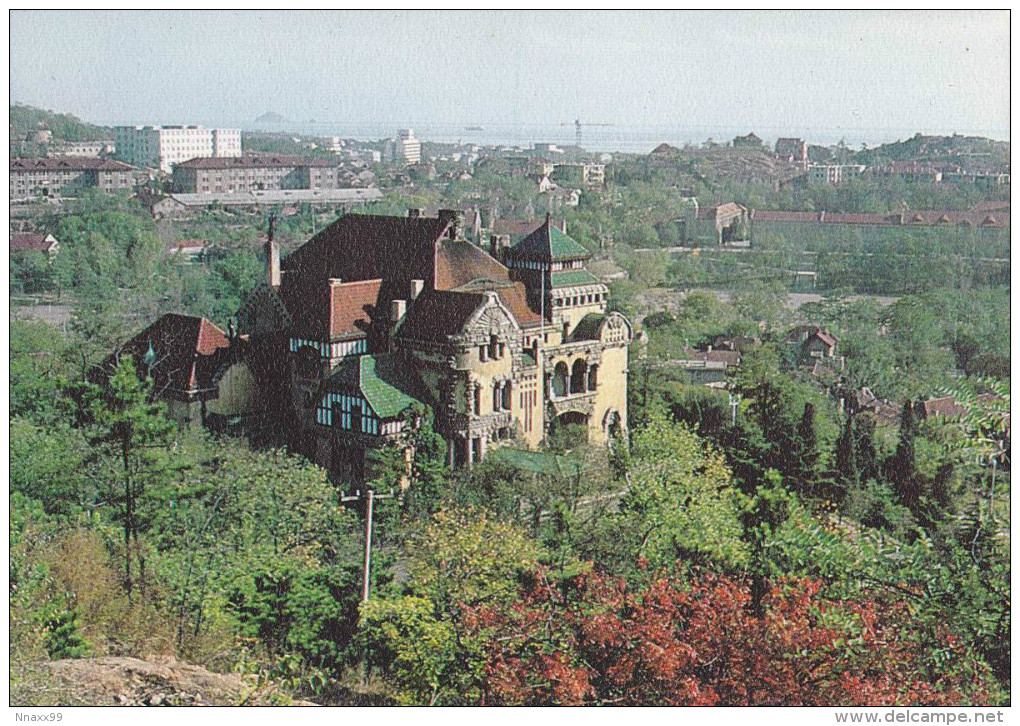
(164, 146)
(255, 173)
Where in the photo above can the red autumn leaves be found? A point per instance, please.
(593, 640)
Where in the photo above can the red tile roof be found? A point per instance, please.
(923, 217)
(991, 206)
(458, 262)
(256, 161)
(187, 349)
(946, 406)
(330, 309)
(68, 163)
(515, 297)
(31, 242)
(724, 211)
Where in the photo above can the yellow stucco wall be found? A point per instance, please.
(611, 392)
(238, 393)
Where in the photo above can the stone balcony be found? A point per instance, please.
(582, 402)
(472, 426)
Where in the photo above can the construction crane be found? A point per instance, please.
(578, 126)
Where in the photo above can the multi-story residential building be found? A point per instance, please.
(68, 176)
(793, 151)
(592, 176)
(376, 320)
(910, 171)
(408, 147)
(255, 173)
(164, 146)
(834, 174)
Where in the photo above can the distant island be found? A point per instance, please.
(270, 118)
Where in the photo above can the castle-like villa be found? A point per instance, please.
(378, 318)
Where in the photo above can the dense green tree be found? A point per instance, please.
(130, 434)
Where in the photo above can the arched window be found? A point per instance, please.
(493, 347)
(561, 376)
(593, 378)
(507, 396)
(497, 398)
(578, 376)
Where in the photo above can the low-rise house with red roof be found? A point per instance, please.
(707, 366)
(47, 244)
(195, 367)
(810, 342)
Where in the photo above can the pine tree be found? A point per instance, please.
(903, 465)
(129, 430)
(847, 472)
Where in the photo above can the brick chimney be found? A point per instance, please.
(498, 245)
(455, 219)
(272, 255)
(398, 309)
(273, 263)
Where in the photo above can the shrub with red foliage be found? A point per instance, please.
(592, 641)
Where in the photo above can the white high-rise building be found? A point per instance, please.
(409, 148)
(163, 146)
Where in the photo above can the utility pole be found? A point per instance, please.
(369, 515)
(734, 403)
(367, 576)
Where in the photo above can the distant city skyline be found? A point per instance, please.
(859, 70)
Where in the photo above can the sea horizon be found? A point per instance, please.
(620, 138)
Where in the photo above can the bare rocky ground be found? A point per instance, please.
(117, 681)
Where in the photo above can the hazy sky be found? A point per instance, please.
(917, 70)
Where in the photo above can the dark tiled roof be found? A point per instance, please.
(515, 227)
(256, 161)
(664, 150)
(187, 351)
(30, 242)
(68, 163)
(804, 333)
(729, 357)
(589, 327)
(437, 314)
(370, 247)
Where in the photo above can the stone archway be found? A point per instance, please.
(579, 376)
(561, 380)
(612, 424)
